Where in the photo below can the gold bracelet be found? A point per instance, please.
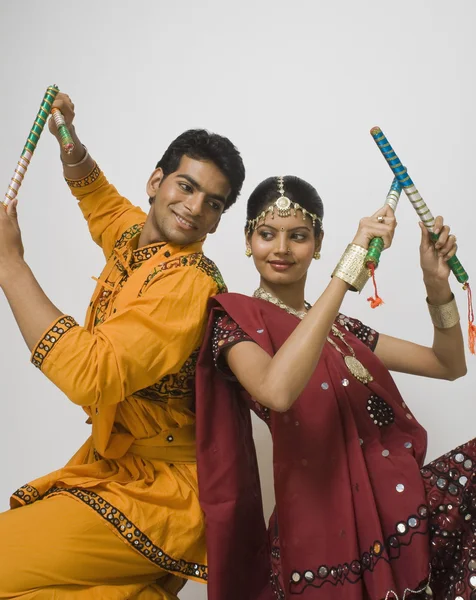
(351, 267)
(445, 315)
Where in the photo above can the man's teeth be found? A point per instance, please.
(184, 221)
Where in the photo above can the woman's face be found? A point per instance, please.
(283, 248)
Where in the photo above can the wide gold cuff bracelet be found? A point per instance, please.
(351, 267)
(445, 315)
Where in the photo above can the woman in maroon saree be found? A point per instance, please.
(357, 515)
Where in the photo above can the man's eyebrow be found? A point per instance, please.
(292, 228)
(197, 186)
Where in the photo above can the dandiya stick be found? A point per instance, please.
(426, 217)
(66, 139)
(376, 245)
(31, 142)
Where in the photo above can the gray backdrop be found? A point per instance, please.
(296, 86)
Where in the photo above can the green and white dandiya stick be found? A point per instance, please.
(66, 139)
(377, 244)
(426, 216)
(31, 143)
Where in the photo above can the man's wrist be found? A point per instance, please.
(15, 268)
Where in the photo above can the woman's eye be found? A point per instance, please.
(299, 237)
(266, 235)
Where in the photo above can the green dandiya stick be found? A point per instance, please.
(30, 145)
(376, 245)
(65, 136)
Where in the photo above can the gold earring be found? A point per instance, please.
(317, 255)
(248, 251)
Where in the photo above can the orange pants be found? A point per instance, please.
(58, 548)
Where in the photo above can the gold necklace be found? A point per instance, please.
(264, 295)
(353, 364)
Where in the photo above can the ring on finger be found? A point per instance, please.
(381, 219)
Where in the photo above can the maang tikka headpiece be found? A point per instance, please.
(284, 206)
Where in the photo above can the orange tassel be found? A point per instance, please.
(374, 301)
(471, 325)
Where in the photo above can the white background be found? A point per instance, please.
(296, 86)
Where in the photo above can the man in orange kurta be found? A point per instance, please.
(122, 518)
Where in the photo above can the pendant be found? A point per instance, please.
(357, 369)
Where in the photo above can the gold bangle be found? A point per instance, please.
(445, 315)
(351, 267)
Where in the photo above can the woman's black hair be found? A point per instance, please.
(296, 189)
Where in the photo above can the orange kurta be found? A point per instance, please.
(131, 367)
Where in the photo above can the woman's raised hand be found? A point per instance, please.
(434, 255)
(380, 224)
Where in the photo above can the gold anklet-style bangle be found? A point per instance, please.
(444, 316)
(351, 267)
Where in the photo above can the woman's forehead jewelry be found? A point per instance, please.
(284, 208)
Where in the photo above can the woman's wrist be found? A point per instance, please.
(438, 292)
(360, 240)
(351, 267)
(444, 316)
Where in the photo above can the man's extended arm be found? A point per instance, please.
(108, 213)
(140, 344)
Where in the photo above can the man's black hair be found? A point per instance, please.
(200, 144)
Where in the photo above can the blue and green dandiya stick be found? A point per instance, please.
(427, 218)
(31, 142)
(414, 196)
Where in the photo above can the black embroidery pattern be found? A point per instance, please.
(354, 571)
(276, 576)
(367, 336)
(85, 181)
(132, 534)
(27, 494)
(196, 259)
(56, 332)
(138, 257)
(182, 261)
(209, 267)
(128, 235)
(379, 411)
(450, 486)
(226, 333)
(101, 307)
(108, 295)
(176, 386)
(143, 254)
